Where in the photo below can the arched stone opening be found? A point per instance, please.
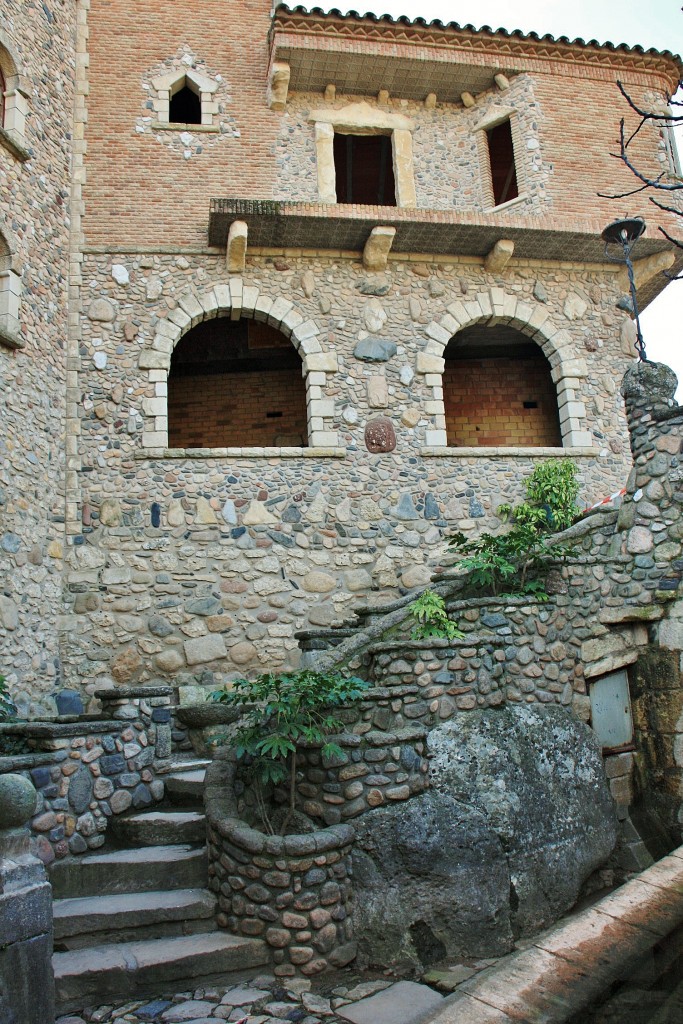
(532, 320)
(14, 97)
(498, 390)
(236, 383)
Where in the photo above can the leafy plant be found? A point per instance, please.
(429, 612)
(281, 712)
(508, 563)
(8, 708)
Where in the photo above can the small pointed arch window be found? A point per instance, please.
(186, 105)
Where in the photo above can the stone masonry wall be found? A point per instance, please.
(88, 773)
(34, 221)
(185, 564)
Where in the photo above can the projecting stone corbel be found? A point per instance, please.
(647, 268)
(330, 93)
(499, 256)
(467, 99)
(278, 85)
(430, 101)
(378, 247)
(502, 82)
(236, 253)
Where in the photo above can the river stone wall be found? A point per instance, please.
(446, 157)
(88, 773)
(187, 565)
(34, 223)
(292, 891)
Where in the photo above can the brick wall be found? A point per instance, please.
(143, 189)
(484, 400)
(232, 410)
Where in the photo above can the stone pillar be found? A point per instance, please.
(648, 390)
(26, 979)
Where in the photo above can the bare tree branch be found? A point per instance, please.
(651, 115)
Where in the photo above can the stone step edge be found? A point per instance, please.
(64, 909)
(565, 969)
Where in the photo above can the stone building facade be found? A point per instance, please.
(277, 399)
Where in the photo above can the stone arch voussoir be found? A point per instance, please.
(534, 320)
(235, 300)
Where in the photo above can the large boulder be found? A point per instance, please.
(430, 880)
(518, 816)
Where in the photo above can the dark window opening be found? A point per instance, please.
(364, 169)
(498, 391)
(185, 107)
(236, 383)
(502, 160)
(2, 99)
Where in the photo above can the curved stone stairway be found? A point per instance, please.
(138, 919)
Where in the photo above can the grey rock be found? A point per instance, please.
(17, 800)
(101, 311)
(80, 789)
(158, 625)
(476, 509)
(431, 507)
(536, 773)
(405, 509)
(540, 292)
(379, 285)
(10, 543)
(406, 1001)
(69, 702)
(374, 350)
(204, 606)
(431, 881)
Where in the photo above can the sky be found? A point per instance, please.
(657, 23)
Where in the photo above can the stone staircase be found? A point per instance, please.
(138, 919)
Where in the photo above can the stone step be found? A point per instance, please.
(185, 786)
(128, 917)
(142, 869)
(103, 974)
(159, 828)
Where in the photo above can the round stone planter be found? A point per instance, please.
(208, 724)
(292, 891)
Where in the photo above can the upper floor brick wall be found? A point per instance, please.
(146, 183)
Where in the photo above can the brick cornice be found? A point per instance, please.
(504, 47)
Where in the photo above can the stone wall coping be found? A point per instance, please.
(116, 693)
(438, 644)
(432, 452)
(374, 738)
(240, 453)
(60, 730)
(22, 762)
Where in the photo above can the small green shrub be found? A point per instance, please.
(510, 563)
(8, 708)
(431, 617)
(280, 712)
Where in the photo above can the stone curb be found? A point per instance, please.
(574, 963)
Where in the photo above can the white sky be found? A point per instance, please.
(656, 23)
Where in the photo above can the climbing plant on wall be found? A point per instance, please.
(511, 562)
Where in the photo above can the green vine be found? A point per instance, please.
(431, 618)
(512, 562)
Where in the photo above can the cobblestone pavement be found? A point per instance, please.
(262, 1000)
